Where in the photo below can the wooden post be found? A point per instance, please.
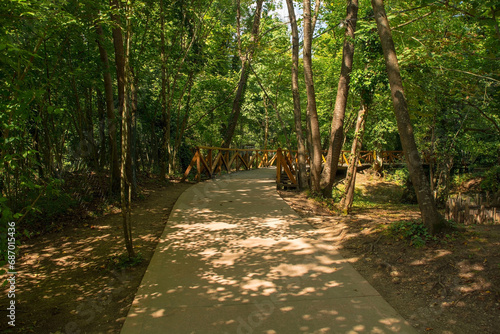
(278, 167)
(236, 153)
(209, 158)
(198, 165)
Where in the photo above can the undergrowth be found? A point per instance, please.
(124, 261)
(415, 232)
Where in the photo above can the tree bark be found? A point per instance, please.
(164, 113)
(312, 113)
(240, 93)
(101, 110)
(336, 132)
(350, 179)
(431, 218)
(126, 181)
(110, 112)
(133, 82)
(119, 53)
(297, 112)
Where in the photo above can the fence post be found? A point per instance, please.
(278, 166)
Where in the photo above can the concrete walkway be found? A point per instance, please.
(235, 258)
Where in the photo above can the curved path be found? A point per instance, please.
(235, 258)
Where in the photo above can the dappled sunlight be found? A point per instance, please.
(245, 258)
(75, 274)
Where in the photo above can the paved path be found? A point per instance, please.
(235, 258)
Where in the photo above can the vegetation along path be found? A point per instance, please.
(235, 258)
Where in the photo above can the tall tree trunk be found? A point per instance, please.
(110, 112)
(133, 127)
(126, 181)
(101, 111)
(164, 115)
(88, 126)
(182, 126)
(297, 112)
(336, 132)
(350, 180)
(431, 218)
(312, 113)
(119, 54)
(120, 71)
(240, 92)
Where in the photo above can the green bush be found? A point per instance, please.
(412, 230)
(398, 176)
(491, 181)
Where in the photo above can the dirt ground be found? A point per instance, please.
(72, 280)
(451, 286)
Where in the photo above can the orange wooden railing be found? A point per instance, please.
(213, 160)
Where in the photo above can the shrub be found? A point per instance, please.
(412, 230)
(491, 181)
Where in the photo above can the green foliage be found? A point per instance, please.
(413, 231)
(124, 261)
(399, 176)
(491, 181)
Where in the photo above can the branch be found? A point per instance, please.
(415, 19)
(484, 115)
(447, 4)
(465, 72)
(315, 17)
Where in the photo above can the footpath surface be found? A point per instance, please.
(235, 258)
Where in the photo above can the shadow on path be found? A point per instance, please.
(234, 258)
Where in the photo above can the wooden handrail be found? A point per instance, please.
(218, 158)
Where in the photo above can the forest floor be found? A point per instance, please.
(73, 280)
(449, 286)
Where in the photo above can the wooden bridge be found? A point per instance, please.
(211, 161)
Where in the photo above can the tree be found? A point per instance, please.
(312, 113)
(110, 109)
(431, 218)
(297, 112)
(350, 179)
(245, 63)
(336, 132)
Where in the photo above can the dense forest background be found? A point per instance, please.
(82, 80)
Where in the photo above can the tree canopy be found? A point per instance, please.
(70, 68)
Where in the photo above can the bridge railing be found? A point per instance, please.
(213, 160)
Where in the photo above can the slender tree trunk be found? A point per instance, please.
(431, 218)
(101, 110)
(182, 127)
(88, 126)
(120, 72)
(350, 180)
(165, 117)
(126, 184)
(238, 100)
(110, 112)
(240, 93)
(133, 127)
(336, 132)
(119, 54)
(297, 112)
(312, 113)
(266, 128)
